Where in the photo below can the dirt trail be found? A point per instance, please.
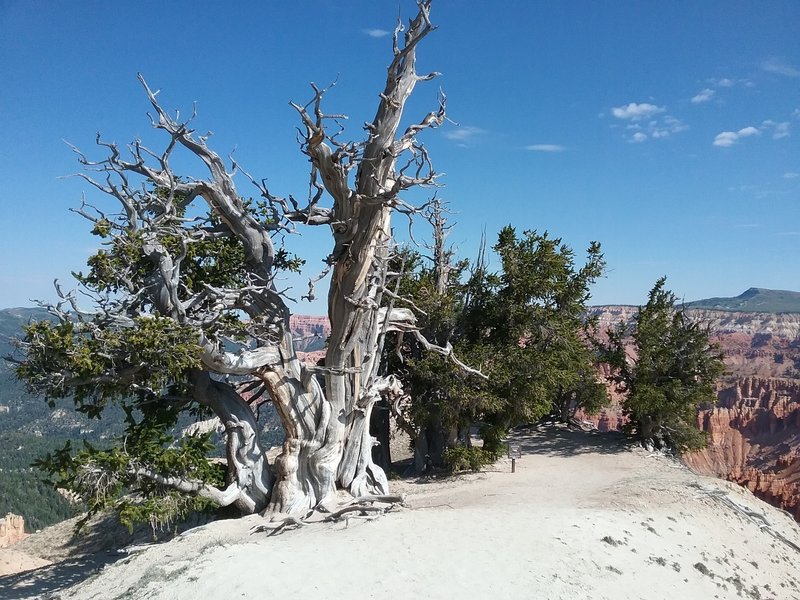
(583, 517)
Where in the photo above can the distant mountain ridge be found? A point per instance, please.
(753, 300)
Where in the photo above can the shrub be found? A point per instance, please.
(462, 458)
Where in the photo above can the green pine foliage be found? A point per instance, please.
(524, 327)
(445, 399)
(140, 366)
(672, 371)
(535, 328)
(113, 477)
(66, 359)
(462, 458)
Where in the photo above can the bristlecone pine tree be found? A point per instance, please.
(526, 328)
(667, 367)
(187, 316)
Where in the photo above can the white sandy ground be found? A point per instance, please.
(13, 561)
(582, 518)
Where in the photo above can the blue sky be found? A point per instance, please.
(667, 131)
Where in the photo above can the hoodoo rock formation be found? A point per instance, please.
(12, 530)
(754, 439)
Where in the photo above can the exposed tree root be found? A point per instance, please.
(364, 505)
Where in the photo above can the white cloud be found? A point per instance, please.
(729, 138)
(781, 130)
(376, 33)
(791, 175)
(645, 121)
(748, 131)
(658, 128)
(703, 96)
(545, 148)
(779, 66)
(636, 112)
(463, 133)
(726, 82)
(668, 126)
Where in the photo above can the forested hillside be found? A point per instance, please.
(28, 430)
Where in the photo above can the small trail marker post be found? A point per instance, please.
(514, 452)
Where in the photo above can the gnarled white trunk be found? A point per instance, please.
(305, 476)
(360, 253)
(248, 469)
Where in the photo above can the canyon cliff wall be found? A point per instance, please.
(310, 333)
(310, 337)
(754, 439)
(12, 530)
(721, 321)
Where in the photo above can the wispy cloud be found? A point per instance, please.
(376, 33)
(792, 233)
(658, 128)
(727, 82)
(465, 134)
(729, 138)
(779, 130)
(703, 96)
(636, 112)
(545, 148)
(791, 175)
(778, 66)
(671, 125)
